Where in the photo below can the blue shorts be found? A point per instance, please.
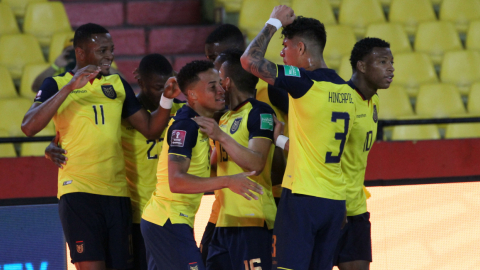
(139, 253)
(355, 244)
(171, 246)
(306, 231)
(206, 238)
(98, 228)
(240, 248)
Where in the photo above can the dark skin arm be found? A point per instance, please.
(182, 182)
(278, 130)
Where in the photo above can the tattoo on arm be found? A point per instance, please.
(257, 64)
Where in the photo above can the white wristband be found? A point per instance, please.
(275, 22)
(166, 103)
(281, 141)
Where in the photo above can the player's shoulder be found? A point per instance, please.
(184, 118)
(325, 74)
(260, 106)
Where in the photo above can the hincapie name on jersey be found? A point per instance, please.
(339, 97)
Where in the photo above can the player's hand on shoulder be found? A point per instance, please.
(210, 127)
(240, 184)
(284, 13)
(171, 89)
(82, 76)
(55, 153)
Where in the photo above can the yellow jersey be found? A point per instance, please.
(320, 116)
(250, 119)
(354, 158)
(141, 159)
(89, 124)
(183, 138)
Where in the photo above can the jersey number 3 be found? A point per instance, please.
(339, 136)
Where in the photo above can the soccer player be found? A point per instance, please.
(183, 174)
(87, 106)
(226, 36)
(243, 142)
(321, 114)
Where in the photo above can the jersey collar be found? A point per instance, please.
(91, 81)
(352, 85)
(186, 112)
(239, 106)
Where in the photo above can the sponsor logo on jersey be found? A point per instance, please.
(375, 115)
(109, 92)
(178, 138)
(79, 91)
(235, 125)
(266, 121)
(67, 182)
(291, 71)
(80, 246)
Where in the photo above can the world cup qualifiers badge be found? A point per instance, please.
(108, 91)
(235, 125)
(375, 115)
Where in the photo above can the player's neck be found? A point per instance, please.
(312, 63)
(200, 110)
(363, 86)
(146, 102)
(237, 97)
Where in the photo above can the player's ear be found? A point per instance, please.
(301, 48)
(191, 94)
(80, 54)
(361, 66)
(228, 83)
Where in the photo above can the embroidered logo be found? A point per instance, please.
(109, 92)
(193, 266)
(178, 138)
(80, 246)
(375, 115)
(266, 121)
(291, 71)
(235, 125)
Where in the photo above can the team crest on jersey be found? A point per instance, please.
(375, 115)
(109, 92)
(193, 266)
(80, 246)
(235, 125)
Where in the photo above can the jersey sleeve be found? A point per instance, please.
(182, 138)
(131, 104)
(47, 90)
(294, 80)
(260, 122)
(278, 97)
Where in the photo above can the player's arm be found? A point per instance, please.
(56, 154)
(152, 125)
(48, 102)
(283, 142)
(253, 59)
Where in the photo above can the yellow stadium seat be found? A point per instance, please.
(410, 13)
(8, 24)
(318, 9)
(7, 89)
(345, 69)
(436, 2)
(385, 3)
(254, 14)
(6, 149)
(274, 48)
(340, 41)
(58, 44)
(473, 105)
(439, 100)
(460, 12)
(436, 38)
(462, 131)
(359, 14)
(394, 103)
(30, 72)
(18, 50)
(413, 69)
(335, 3)
(229, 5)
(415, 132)
(44, 19)
(461, 68)
(20, 6)
(393, 34)
(12, 111)
(37, 148)
(473, 36)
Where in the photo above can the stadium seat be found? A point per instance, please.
(436, 38)
(462, 131)
(8, 24)
(30, 72)
(44, 19)
(415, 132)
(461, 68)
(18, 50)
(274, 48)
(318, 9)
(229, 5)
(6, 149)
(253, 16)
(392, 33)
(439, 100)
(37, 148)
(20, 6)
(473, 36)
(461, 13)
(394, 103)
(385, 3)
(12, 111)
(58, 44)
(473, 105)
(345, 69)
(410, 13)
(7, 89)
(413, 69)
(340, 41)
(359, 14)
(335, 3)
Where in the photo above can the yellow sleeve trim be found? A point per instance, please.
(38, 102)
(178, 155)
(277, 71)
(262, 138)
(284, 268)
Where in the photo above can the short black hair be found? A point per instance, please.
(154, 64)
(84, 32)
(189, 73)
(227, 33)
(244, 81)
(308, 28)
(364, 47)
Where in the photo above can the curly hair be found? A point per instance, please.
(154, 64)
(308, 28)
(189, 73)
(243, 80)
(84, 32)
(226, 33)
(364, 47)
